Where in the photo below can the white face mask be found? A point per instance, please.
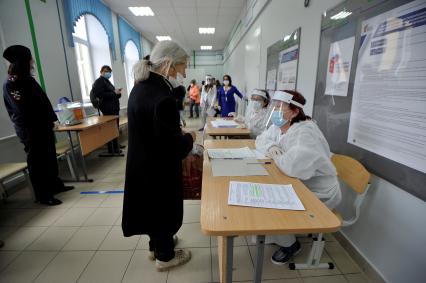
(226, 82)
(257, 105)
(179, 78)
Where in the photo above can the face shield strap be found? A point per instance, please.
(287, 98)
(260, 92)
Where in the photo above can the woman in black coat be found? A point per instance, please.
(153, 198)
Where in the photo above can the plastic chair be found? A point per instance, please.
(354, 174)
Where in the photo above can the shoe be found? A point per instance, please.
(284, 254)
(64, 189)
(151, 255)
(181, 257)
(201, 129)
(50, 201)
(122, 146)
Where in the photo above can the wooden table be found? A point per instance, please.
(224, 132)
(225, 221)
(93, 133)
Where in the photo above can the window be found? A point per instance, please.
(131, 57)
(92, 52)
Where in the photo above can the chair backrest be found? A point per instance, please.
(351, 172)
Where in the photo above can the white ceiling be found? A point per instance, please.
(181, 19)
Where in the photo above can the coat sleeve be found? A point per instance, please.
(101, 91)
(237, 92)
(256, 122)
(267, 139)
(167, 129)
(302, 158)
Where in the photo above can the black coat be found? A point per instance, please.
(105, 91)
(29, 109)
(153, 190)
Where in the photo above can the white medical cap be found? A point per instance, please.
(260, 92)
(286, 97)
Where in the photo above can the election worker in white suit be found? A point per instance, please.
(300, 150)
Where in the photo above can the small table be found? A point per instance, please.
(226, 221)
(93, 133)
(224, 132)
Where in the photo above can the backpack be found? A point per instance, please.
(96, 101)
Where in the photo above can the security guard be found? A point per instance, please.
(33, 117)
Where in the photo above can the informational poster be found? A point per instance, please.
(287, 70)
(388, 114)
(271, 79)
(339, 67)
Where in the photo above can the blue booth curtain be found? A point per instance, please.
(127, 33)
(74, 9)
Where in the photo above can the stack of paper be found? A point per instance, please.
(231, 153)
(237, 167)
(264, 195)
(224, 123)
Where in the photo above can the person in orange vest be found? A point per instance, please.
(194, 96)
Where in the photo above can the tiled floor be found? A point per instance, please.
(81, 241)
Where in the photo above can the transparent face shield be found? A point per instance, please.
(276, 109)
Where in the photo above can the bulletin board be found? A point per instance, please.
(282, 62)
(366, 109)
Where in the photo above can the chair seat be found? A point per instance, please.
(8, 169)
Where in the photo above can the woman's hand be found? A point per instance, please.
(274, 151)
(231, 114)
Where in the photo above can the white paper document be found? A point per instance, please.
(222, 123)
(388, 113)
(237, 167)
(339, 67)
(287, 70)
(271, 79)
(264, 195)
(230, 153)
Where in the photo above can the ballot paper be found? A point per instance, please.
(237, 167)
(264, 195)
(221, 123)
(230, 153)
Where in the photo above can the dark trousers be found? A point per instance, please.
(163, 246)
(42, 164)
(191, 107)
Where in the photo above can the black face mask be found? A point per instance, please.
(179, 92)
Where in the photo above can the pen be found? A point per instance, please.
(233, 158)
(267, 162)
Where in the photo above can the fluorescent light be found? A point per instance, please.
(287, 37)
(141, 11)
(206, 30)
(341, 15)
(206, 47)
(163, 37)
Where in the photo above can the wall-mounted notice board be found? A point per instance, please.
(282, 62)
(370, 97)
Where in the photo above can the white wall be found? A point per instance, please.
(146, 46)
(206, 63)
(390, 233)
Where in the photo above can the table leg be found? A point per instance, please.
(73, 158)
(226, 258)
(314, 257)
(260, 247)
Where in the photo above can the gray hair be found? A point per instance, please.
(164, 55)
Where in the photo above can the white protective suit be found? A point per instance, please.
(306, 156)
(207, 103)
